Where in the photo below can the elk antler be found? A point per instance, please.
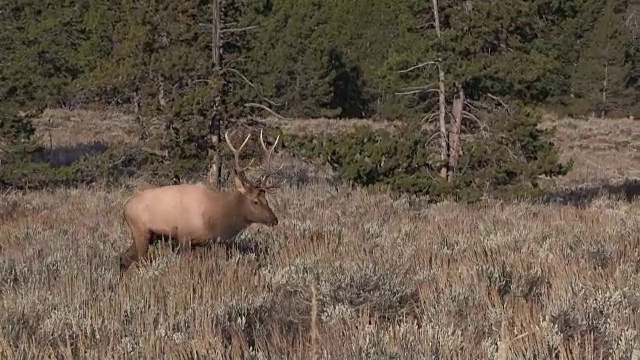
(267, 162)
(236, 155)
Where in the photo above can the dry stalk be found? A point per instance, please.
(314, 322)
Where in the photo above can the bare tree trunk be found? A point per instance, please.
(215, 125)
(444, 143)
(456, 124)
(215, 42)
(605, 83)
(604, 87)
(436, 17)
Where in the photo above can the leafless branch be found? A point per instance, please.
(426, 63)
(422, 87)
(500, 101)
(430, 23)
(161, 153)
(161, 98)
(477, 104)
(246, 28)
(244, 78)
(122, 158)
(483, 126)
(197, 81)
(3, 149)
(418, 91)
(510, 152)
(431, 138)
(471, 104)
(471, 116)
(429, 117)
(266, 108)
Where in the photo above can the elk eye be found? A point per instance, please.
(255, 202)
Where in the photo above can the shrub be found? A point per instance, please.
(505, 161)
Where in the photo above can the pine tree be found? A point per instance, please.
(600, 81)
(22, 97)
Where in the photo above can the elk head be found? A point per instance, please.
(254, 204)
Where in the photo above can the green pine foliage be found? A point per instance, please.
(601, 80)
(505, 162)
(309, 59)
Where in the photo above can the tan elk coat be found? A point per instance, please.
(193, 214)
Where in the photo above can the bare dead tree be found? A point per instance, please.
(442, 101)
(215, 125)
(222, 72)
(450, 134)
(444, 143)
(456, 125)
(605, 82)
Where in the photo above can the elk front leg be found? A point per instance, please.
(138, 250)
(127, 257)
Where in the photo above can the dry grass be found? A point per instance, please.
(323, 126)
(395, 279)
(392, 278)
(603, 150)
(60, 127)
(66, 127)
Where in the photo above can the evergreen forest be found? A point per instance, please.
(467, 82)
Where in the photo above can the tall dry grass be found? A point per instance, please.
(393, 279)
(347, 274)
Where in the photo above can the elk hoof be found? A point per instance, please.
(124, 264)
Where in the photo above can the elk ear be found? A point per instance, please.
(237, 182)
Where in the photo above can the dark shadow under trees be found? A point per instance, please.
(628, 190)
(348, 88)
(69, 154)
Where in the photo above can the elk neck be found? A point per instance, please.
(227, 212)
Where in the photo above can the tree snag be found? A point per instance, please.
(444, 141)
(215, 124)
(456, 124)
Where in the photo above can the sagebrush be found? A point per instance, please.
(394, 278)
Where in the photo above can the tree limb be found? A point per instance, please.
(418, 91)
(471, 105)
(500, 101)
(160, 153)
(426, 63)
(476, 104)
(431, 138)
(3, 149)
(250, 84)
(246, 28)
(266, 108)
(428, 86)
(429, 117)
(427, 24)
(483, 126)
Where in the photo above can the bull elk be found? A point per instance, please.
(193, 214)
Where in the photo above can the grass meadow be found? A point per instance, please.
(347, 274)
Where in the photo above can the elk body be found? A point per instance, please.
(193, 214)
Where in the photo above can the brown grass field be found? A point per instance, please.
(346, 275)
